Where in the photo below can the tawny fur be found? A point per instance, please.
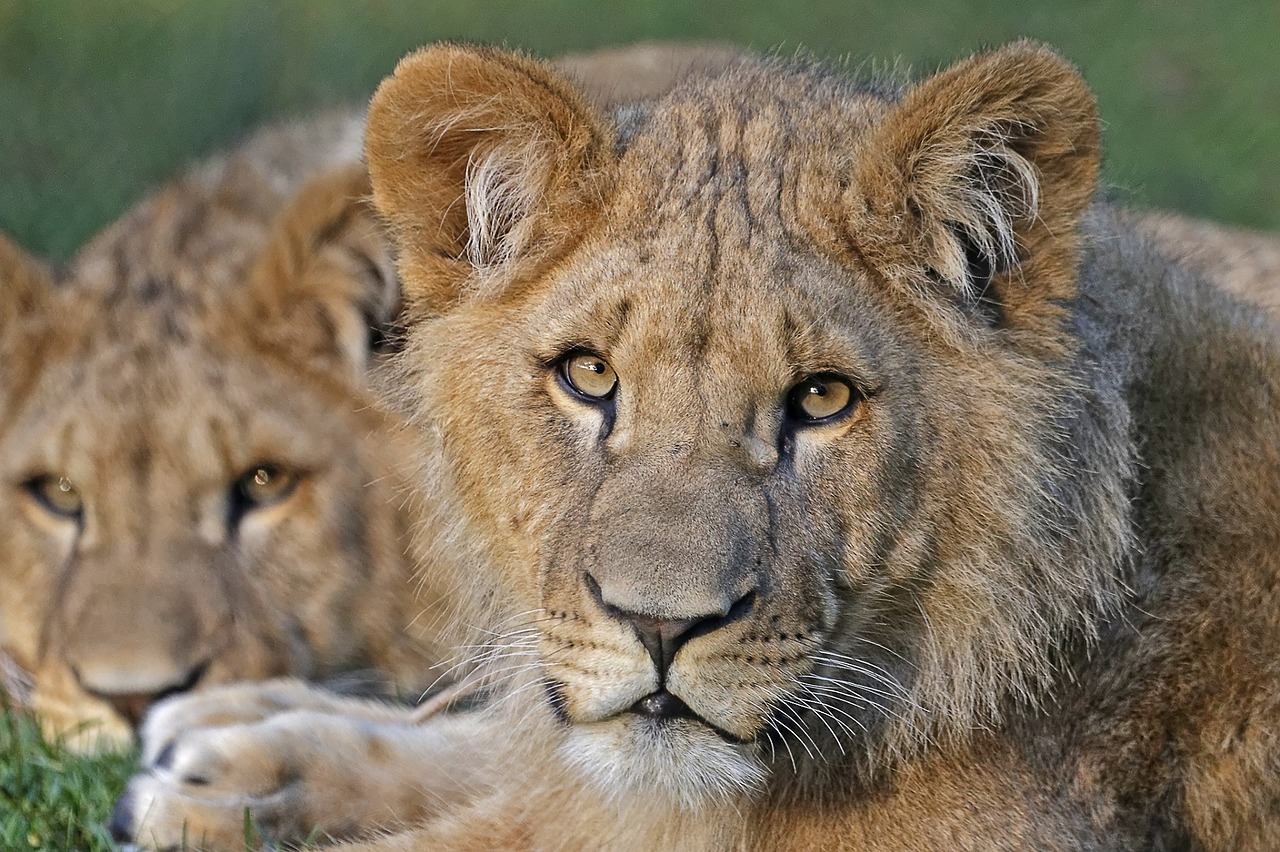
(268, 255)
(1246, 263)
(1055, 515)
(221, 324)
(1022, 597)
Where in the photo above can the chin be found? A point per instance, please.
(683, 760)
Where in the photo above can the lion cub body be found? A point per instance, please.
(910, 501)
(1021, 596)
(1006, 601)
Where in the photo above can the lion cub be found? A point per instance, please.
(817, 465)
(197, 483)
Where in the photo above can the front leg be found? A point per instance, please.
(254, 701)
(299, 776)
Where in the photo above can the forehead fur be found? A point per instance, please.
(168, 322)
(722, 181)
(173, 266)
(796, 100)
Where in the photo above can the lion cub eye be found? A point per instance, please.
(821, 398)
(57, 495)
(265, 484)
(589, 376)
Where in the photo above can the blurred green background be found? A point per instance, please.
(102, 99)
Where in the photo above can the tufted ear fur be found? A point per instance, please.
(976, 182)
(328, 253)
(485, 165)
(24, 283)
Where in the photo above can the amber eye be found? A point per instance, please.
(589, 376)
(821, 398)
(265, 484)
(57, 495)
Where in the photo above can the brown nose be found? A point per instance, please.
(663, 637)
(133, 705)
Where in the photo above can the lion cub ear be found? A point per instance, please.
(328, 251)
(977, 179)
(24, 283)
(486, 164)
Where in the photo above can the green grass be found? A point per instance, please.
(51, 798)
(101, 100)
(57, 800)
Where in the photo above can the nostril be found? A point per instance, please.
(662, 637)
(193, 677)
(741, 607)
(597, 595)
(593, 586)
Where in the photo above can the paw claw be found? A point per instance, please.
(120, 825)
(164, 760)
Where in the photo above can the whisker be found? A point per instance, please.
(845, 713)
(901, 695)
(887, 680)
(831, 657)
(802, 736)
(815, 707)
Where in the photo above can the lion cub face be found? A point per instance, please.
(726, 450)
(760, 398)
(186, 457)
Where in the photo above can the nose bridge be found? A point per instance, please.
(133, 509)
(667, 407)
(141, 615)
(139, 545)
(678, 538)
(700, 415)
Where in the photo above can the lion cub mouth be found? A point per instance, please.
(663, 705)
(661, 744)
(664, 708)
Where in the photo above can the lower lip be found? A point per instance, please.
(689, 718)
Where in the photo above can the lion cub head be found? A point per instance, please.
(761, 398)
(194, 478)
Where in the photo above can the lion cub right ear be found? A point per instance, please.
(328, 258)
(485, 164)
(24, 283)
(976, 181)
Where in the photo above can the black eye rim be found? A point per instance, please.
(561, 366)
(33, 485)
(798, 416)
(246, 500)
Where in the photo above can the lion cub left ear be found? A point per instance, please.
(976, 181)
(328, 255)
(25, 283)
(486, 165)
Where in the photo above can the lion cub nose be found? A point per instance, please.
(664, 637)
(132, 703)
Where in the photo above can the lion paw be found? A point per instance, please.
(218, 787)
(235, 704)
(217, 774)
